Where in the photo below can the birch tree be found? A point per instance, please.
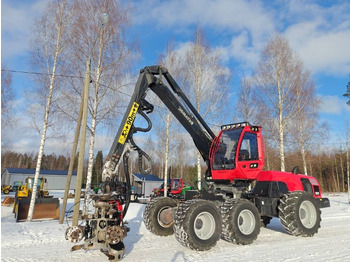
(247, 103)
(49, 45)
(7, 97)
(172, 61)
(276, 76)
(208, 81)
(111, 53)
(304, 128)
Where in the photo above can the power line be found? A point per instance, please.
(80, 77)
(38, 73)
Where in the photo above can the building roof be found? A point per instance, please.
(42, 171)
(140, 177)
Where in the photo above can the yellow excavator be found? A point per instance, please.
(45, 205)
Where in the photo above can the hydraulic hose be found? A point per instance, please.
(141, 153)
(128, 183)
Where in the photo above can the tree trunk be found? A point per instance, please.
(93, 126)
(336, 172)
(302, 143)
(342, 171)
(46, 117)
(281, 145)
(166, 155)
(348, 173)
(280, 123)
(303, 156)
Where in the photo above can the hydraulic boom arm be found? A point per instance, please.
(151, 78)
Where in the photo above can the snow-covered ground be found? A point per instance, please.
(44, 241)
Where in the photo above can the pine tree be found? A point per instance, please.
(97, 168)
(347, 94)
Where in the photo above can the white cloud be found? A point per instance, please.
(242, 51)
(224, 14)
(16, 22)
(334, 105)
(321, 36)
(322, 51)
(251, 20)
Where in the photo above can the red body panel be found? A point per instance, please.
(292, 180)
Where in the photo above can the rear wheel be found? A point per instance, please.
(300, 214)
(241, 221)
(6, 191)
(197, 224)
(157, 216)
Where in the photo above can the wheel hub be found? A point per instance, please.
(165, 218)
(204, 225)
(307, 214)
(246, 222)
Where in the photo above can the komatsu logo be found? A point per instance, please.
(188, 118)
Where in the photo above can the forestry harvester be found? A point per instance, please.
(238, 196)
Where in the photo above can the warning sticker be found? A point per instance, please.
(128, 123)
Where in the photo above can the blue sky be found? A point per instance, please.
(319, 31)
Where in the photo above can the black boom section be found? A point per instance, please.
(201, 138)
(152, 78)
(129, 117)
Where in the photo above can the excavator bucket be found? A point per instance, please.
(45, 208)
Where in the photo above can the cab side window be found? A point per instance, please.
(306, 185)
(249, 148)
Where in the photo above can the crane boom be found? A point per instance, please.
(151, 78)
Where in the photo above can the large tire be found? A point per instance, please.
(240, 221)
(300, 214)
(152, 216)
(6, 191)
(197, 224)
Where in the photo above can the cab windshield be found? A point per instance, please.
(226, 153)
(175, 184)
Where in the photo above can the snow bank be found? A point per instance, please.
(44, 241)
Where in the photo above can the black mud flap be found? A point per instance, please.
(324, 202)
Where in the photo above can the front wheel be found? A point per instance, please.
(197, 224)
(158, 216)
(300, 214)
(240, 221)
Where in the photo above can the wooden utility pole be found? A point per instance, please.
(81, 146)
(72, 158)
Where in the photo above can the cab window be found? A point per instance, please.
(249, 148)
(306, 185)
(226, 153)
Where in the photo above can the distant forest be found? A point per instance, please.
(330, 169)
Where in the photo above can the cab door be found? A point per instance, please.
(249, 162)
